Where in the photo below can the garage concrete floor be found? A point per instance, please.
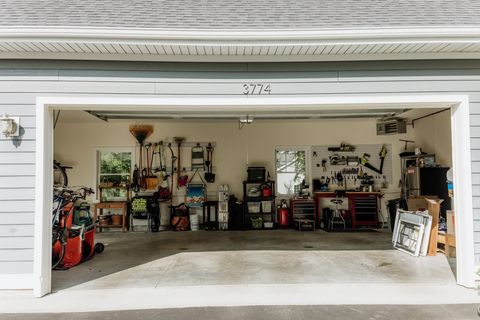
(222, 275)
(165, 259)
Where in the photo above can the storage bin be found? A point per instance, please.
(266, 206)
(151, 183)
(254, 207)
(304, 224)
(257, 223)
(256, 174)
(254, 191)
(268, 225)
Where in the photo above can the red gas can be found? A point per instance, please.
(266, 191)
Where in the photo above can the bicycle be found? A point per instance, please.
(60, 177)
(64, 200)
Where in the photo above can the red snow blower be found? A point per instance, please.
(73, 229)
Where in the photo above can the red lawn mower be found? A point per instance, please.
(73, 229)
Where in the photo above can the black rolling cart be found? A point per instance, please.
(259, 209)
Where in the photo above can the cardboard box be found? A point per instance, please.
(417, 203)
(450, 222)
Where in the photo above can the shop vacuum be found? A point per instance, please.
(153, 208)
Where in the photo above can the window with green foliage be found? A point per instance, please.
(114, 172)
(291, 170)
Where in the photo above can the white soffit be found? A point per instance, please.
(240, 45)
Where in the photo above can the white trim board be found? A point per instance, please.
(44, 155)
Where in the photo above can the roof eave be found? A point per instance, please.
(240, 45)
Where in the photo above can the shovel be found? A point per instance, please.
(179, 141)
(209, 175)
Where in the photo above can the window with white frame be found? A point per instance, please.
(290, 169)
(114, 168)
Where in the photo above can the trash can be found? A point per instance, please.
(392, 206)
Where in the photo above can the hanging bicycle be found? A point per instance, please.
(60, 177)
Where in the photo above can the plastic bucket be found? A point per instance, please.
(194, 222)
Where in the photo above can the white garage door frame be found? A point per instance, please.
(44, 151)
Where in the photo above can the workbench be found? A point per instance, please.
(363, 207)
(99, 207)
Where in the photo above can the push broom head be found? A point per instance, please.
(141, 132)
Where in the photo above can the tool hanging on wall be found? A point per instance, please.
(209, 175)
(141, 133)
(364, 160)
(179, 141)
(135, 180)
(344, 147)
(340, 179)
(353, 161)
(198, 158)
(151, 180)
(173, 158)
(162, 162)
(324, 165)
(337, 160)
(382, 154)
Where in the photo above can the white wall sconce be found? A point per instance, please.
(10, 126)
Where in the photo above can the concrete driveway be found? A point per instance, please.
(347, 312)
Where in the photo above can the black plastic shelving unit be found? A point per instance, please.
(268, 216)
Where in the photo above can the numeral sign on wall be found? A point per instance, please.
(250, 89)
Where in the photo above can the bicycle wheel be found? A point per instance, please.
(59, 175)
(58, 249)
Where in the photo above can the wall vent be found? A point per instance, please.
(392, 126)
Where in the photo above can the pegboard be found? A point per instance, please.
(321, 152)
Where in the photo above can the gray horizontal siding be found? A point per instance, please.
(17, 193)
(16, 243)
(17, 157)
(23, 146)
(16, 230)
(17, 169)
(16, 267)
(17, 218)
(13, 255)
(17, 182)
(17, 205)
(18, 110)
(22, 81)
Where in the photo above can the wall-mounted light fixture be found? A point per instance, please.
(10, 126)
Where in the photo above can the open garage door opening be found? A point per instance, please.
(272, 197)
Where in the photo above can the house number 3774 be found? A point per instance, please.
(250, 89)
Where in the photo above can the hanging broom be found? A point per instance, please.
(141, 132)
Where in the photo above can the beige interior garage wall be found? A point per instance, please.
(433, 135)
(75, 143)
